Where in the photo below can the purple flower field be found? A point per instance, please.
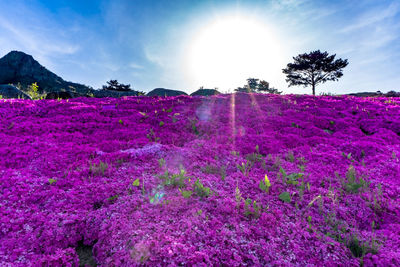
(229, 180)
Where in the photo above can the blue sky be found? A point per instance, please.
(178, 44)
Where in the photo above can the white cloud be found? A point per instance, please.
(134, 65)
(373, 17)
(34, 40)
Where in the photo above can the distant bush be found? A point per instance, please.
(255, 85)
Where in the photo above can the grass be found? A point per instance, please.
(96, 169)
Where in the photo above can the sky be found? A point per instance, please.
(187, 44)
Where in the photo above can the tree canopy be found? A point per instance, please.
(314, 68)
(114, 85)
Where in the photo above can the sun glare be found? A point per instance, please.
(229, 50)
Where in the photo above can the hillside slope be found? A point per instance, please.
(233, 180)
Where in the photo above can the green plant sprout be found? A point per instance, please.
(245, 167)
(161, 162)
(235, 153)
(377, 198)
(293, 178)
(353, 185)
(186, 193)
(51, 181)
(136, 182)
(223, 172)
(256, 157)
(174, 117)
(194, 126)
(120, 122)
(302, 188)
(359, 249)
(348, 156)
(311, 203)
(151, 136)
(255, 211)
(238, 196)
(289, 179)
(290, 156)
(112, 198)
(265, 184)
(97, 169)
(201, 190)
(175, 179)
(282, 174)
(285, 197)
(309, 224)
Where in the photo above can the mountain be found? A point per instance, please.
(165, 92)
(20, 68)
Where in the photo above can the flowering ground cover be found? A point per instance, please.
(232, 180)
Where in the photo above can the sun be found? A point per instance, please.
(231, 49)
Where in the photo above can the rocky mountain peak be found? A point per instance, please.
(20, 68)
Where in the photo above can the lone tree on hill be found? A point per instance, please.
(114, 85)
(314, 68)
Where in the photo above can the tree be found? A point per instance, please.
(314, 68)
(252, 84)
(33, 91)
(263, 86)
(114, 85)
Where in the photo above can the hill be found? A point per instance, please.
(10, 91)
(231, 180)
(165, 92)
(205, 92)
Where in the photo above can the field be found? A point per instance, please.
(231, 180)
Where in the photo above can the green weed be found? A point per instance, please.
(245, 167)
(285, 197)
(252, 209)
(175, 180)
(265, 184)
(161, 162)
(290, 156)
(97, 169)
(152, 136)
(186, 193)
(201, 190)
(359, 248)
(353, 184)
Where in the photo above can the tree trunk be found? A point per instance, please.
(313, 83)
